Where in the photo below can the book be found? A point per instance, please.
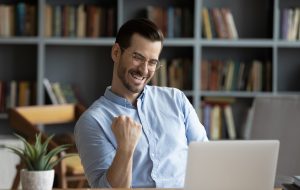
(240, 81)
(162, 79)
(187, 22)
(219, 23)
(205, 73)
(50, 92)
(177, 20)
(68, 93)
(13, 94)
(214, 75)
(284, 23)
(295, 24)
(57, 24)
(110, 21)
(156, 15)
(215, 123)
(24, 93)
(175, 72)
(71, 27)
(170, 24)
(48, 20)
(81, 22)
(229, 22)
(206, 24)
(230, 122)
(58, 93)
(229, 75)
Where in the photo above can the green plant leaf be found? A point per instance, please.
(29, 150)
(46, 143)
(54, 163)
(36, 156)
(56, 151)
(37, 144)
(20, 153)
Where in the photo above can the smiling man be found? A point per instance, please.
(137, 135)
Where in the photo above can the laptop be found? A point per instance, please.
(232, 165)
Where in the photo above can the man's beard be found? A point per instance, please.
(122, 72)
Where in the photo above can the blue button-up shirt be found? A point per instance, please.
(169, 123)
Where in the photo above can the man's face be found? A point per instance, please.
(132, 75)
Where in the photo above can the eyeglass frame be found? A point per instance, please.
(142, 59)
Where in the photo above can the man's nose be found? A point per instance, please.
(143, 67)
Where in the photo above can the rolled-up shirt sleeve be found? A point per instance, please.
(195, 131)
(95, 150)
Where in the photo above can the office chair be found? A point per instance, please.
(26, 121)
(278, 118)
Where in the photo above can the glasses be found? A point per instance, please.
(138, 59)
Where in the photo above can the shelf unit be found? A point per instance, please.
(87, 63)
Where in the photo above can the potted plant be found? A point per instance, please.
(39, 162)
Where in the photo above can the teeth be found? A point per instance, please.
(137, 77)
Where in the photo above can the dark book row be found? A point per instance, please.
(79, 21)
(217, 75)
(173, 21)
(18, 19)
(17, 93)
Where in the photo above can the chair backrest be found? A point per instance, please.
(279, 118)
(26, 119)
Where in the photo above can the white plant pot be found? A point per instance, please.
(37, 180)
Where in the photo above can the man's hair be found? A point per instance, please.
(141, 26)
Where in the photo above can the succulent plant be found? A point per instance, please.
(36, 157)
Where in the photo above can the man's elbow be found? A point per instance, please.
(100, 181)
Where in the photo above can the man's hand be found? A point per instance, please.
(127, 133)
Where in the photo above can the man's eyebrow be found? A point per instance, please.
(139, 54)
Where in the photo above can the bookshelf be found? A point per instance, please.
(86, 62)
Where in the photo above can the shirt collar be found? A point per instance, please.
(120, 100)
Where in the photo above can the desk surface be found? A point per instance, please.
(133, 189)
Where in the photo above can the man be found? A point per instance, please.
(137, 135)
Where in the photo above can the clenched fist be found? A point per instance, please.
(127, 133)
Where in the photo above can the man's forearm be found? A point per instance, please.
(120, 172)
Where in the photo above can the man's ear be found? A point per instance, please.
(115, 52)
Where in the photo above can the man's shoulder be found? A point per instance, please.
(95, 108)
(163, 90)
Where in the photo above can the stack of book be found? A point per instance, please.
(17, 20)
(60, 93)
(217, 118)
(290, 20)
(217, 75)
(173, 21)
(17, 93)
(218, 23)
(79, 21)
